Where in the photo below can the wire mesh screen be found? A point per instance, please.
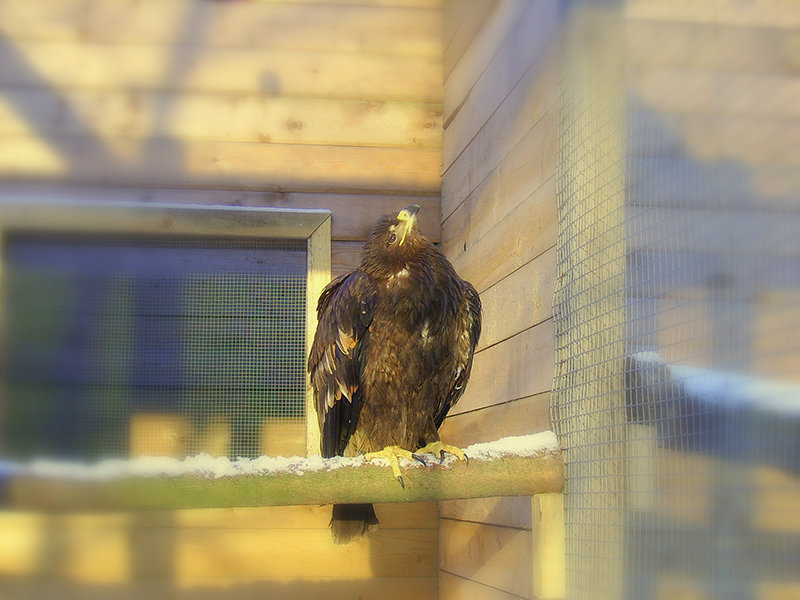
(677, 387)
(128, 346)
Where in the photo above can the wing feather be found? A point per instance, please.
(468, 331)
(335, 361)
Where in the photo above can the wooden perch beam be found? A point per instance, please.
(510, 475)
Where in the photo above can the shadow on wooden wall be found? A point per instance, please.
(299, 105)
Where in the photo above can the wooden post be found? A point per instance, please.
(549, 547)
(319, 275)
(589, 305)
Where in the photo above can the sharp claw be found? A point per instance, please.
(466, 458)
(400, 479)
(419, 458)
(441, 456)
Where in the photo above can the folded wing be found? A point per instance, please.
(337, 356)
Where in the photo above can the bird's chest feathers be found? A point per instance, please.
(399, 280)
(408, 297)
(413, 311)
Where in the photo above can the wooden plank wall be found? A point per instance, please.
(333, 104)
(276, 552)
(499, 229)
(714, 169)
(280, 103)
(714, 178)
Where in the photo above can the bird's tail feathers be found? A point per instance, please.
(351, 521)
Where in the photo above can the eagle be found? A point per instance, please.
(391, 355)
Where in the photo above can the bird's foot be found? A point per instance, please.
(392, 453)
(439, 449)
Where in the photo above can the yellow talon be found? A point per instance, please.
(391, 453)
(439, 449)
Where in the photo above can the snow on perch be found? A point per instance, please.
(210, 467)
(515, 466)
(521, 445)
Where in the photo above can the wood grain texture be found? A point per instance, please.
(766, 13)
(463, 20)
(499, 230)
(401, 28)
(498, 557)
(484, 28)
(168, 163)
(516, 417)
(353, 214)
(318, 269)
(710, 46)
(252, 588)
(529, 37)
(532, 97)
(526, 232)
(188, 115)
(235, 69)
(220, 94)
(528, 165)
(290, 104)
(345, 257)
(519, 301)
(520, 366)
(748, 142)
(507, 511)
(720, 93)
(407, 515)
(281, 96)
(768, 186)
(455, 587)
(549, 547)
(164, 219)
(299, 553)
(89, 549)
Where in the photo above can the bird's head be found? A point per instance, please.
(393, 242)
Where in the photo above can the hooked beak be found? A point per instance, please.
(407, 218)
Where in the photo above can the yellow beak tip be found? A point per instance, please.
(408, 213)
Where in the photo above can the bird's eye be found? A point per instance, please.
(393, 238)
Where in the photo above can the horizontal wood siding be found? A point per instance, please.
(453, 587)
(377, 588)
(390, 26)
(499, 229)
(498, 557)
(285, 96)
(713, 187)
(713, 178)
(210, 553)
(323, 104)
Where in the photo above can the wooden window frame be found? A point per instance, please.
(312, 225)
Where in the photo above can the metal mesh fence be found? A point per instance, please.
(677, 387)
(130, 346)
